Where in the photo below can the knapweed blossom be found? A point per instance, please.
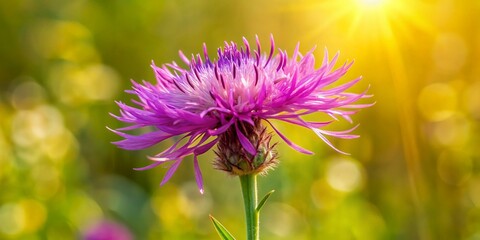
(227, 101)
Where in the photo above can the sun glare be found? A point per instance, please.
(369, 22)
(371, 4)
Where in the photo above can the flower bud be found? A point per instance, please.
(233, 158)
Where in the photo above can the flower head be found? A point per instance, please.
(225, 102)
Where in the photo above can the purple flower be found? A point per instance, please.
(226, 101)
(107, 230)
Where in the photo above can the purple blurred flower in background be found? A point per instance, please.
(107, 230)
(227, 100)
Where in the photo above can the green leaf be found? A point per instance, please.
(264, 199)
(221, 230)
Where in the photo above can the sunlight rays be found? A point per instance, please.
(382, 28)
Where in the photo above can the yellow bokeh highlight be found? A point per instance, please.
(166, 207)
(74, 84)
(454, 131)
(28, 95)
(284, 221)
(345, 174)
(40, 132)
(12, 219)
(62, 39)
(30, 127)
(48, 181)
(86, 210)
(35, 214)
(437, 101)
(24, 216)
(192, 204)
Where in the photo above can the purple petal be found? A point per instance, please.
(341, 134)
(342, 87)
(301, 122)
(296, 52)
(174, 146)
(132, 142)
(247, 145)
(359, 105)
(221, 129)
(183, 57)
(198, 174)
(320, 135)
(205, 147)
(202, 114)
(325, 57)
(155, 164)
(290, 143)
(171, 171)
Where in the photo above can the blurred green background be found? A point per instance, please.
(413, 174)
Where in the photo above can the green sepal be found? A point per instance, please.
(221, 230)
(264, 199)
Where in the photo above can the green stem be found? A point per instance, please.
(250, 196)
